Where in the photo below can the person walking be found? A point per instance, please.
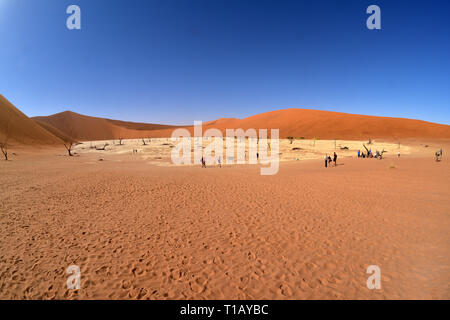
(203, 162)
(398, 154)
(219, 161)
(359, 153)
(326, 161)
(334, 159)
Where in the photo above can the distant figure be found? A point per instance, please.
(203, 162)
(334, 158)
(398, 154)
(257, 156)
(437, 155)
(359, 153)
(219, 161)
(440, 152)
(326, 161)
(329, 160)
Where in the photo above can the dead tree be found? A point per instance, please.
(143, 142)
(4, 148)
(368, 152)
(291, 139)
(68, 146)
(102, 148)
(5, 137)
(4, 144)
(380, 154)
(120, 141)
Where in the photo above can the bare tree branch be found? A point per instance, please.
(4, 149)
(102, 148)
(5, 137)
(69, 146)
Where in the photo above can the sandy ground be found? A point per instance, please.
(140, 231)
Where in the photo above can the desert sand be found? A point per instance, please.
(140, 227)
(142, 231)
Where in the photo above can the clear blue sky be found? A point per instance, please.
(174, 62)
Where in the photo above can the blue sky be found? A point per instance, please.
(177, 61)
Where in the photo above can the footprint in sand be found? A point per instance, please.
(104, 270)
(285, 290)
(136, 271)
(125, 284)
(196, 287)
(142, 293)
(177, 275)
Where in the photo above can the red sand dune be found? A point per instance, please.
(335, 125)
(56, 132)
(16, 127)
(291, 122)
(83, 128)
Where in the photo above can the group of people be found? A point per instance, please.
(219, 162)
(363, 155)
(328, 160)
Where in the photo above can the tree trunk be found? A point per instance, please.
(69, 149)
(5, 153)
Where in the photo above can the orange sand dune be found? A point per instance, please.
(20, 129)
(335, 125)
(83, 127)
(56, 132)
(291, 122)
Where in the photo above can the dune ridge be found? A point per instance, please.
(298, 123)
(17, 128)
